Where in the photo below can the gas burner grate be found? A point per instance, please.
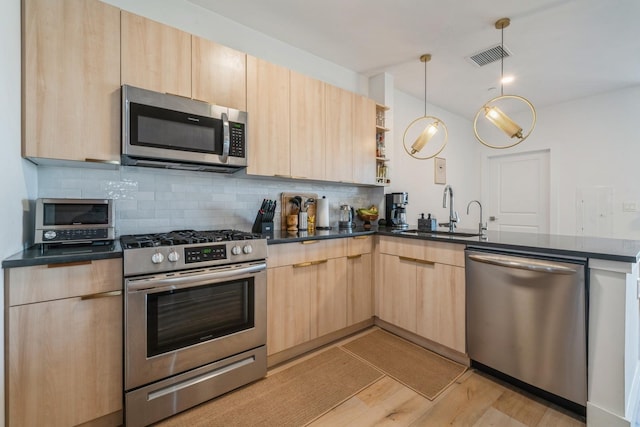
(184, 237)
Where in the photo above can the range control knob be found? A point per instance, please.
(173, 256)
(50, 234)
(247, 249)
(157, 258)
(236, 250)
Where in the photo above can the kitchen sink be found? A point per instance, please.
(438, 233)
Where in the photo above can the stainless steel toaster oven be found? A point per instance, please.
(74, 221)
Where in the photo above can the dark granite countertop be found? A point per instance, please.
(550, 244)
(36, 256)
(284, 236)
(574, 246)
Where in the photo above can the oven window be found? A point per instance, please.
(75, 213)
(181, 318)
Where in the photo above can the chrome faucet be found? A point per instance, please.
(482, 227)
(453, 215)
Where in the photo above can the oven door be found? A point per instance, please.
(179, 321)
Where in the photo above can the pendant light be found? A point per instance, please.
(430, 126)
(494, 115)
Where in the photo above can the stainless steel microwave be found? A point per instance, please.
(168, 131)
(74, 221)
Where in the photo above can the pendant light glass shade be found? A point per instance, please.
(424, 137)
(428, 127)
(502, 121)
(496, 116)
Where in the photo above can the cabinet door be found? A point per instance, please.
(441, 305)
(397, 294)
(71, 67)
(360, 291)
(307, 127)
(219, 74)
(155, 56)
(330, 303)
(339, 134)
(269, 118)
(364, 140)
(65, 361)
(289, 296)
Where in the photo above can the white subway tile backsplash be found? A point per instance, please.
(151, 200)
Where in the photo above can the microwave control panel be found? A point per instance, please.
(237, 139)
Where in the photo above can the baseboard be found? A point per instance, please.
(447, 352)
(293, 352)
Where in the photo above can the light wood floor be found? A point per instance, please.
(474, 400)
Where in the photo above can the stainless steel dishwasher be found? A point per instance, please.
(526, 318)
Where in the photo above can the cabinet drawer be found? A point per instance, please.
(358, 245)
(26, 285)
(306, 251)
(425, 250)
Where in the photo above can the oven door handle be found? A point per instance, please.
(193, 279)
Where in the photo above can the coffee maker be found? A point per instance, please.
(395, 209)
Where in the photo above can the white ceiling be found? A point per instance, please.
(561, 49)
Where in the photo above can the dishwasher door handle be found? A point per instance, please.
(531, 265)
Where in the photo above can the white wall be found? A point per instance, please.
(416, 177)
(594, 146)
(18, 177)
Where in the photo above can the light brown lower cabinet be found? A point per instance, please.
(421, 289)
(305, 301)
(316, 288)
(64, 344)
(359, 279)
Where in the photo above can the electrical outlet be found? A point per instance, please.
(629, 206)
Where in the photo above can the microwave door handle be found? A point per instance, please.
(225, 138)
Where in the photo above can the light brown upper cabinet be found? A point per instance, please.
(307, 127)
(219, 74)
(71, 80)
(155, 56)
(268, 108)
(364, 140)
(339, 134)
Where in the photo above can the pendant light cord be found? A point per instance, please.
(502, 61)
(425, 88)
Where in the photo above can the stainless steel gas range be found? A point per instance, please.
(195, 318)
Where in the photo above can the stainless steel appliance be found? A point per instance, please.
(195, 318)
(526, 318)
(169, 131)
(395, 209)
(74, 221)
(346, 216)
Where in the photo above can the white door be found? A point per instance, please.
(517, 192)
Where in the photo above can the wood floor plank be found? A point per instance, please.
(555, 418)
(464, 405)
(385, 403)
(492, 417)
(520, 407)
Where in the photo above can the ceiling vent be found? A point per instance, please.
(488, 56)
